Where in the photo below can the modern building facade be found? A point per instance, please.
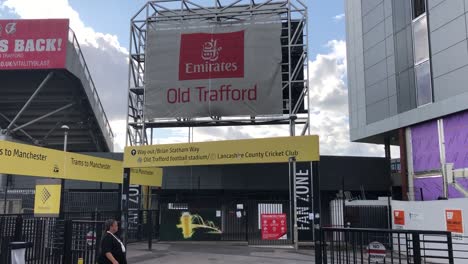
(408, 86)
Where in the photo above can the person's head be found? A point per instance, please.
(111, 225)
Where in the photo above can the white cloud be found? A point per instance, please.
(105, 57)
(339, 17)
(329, 112)
(329, 105)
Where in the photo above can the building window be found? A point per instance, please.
(423, 83)
(419, 8)
(421, 41)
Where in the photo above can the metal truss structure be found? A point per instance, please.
(294, 43)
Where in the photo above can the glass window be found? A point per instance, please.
(421, 42)
(423, 83)
(419, 8)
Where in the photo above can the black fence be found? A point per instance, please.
(359, 215)
(19, 201)
(355, 245)
(68, 240)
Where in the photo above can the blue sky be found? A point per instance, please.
(110, 17)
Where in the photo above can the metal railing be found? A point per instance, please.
(356, 245)
(74, 41)
(74, 239)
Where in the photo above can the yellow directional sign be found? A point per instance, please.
(146, 176)
(266, 150)
(22, 159)
(89, 168)
(30, 160)
(47, 198)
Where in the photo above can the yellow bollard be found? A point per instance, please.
(80, 261)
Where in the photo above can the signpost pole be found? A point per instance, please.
(62, 181)
(5, 200)
(124, 204)
(293, 201)
(316, 205)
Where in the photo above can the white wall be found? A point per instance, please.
(430, 215)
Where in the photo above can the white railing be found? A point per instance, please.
(74, 41)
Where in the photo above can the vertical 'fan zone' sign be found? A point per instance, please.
(33, 44)
(213, 69)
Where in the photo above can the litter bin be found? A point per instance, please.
(18, 252)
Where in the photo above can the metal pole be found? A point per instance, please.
(296, 235)
(317, 216)
(6, 195)
(292, 200)
(42, 117)
(65, 141)
(43, 83)
(440, 127)
(62, 181)
(124, 204)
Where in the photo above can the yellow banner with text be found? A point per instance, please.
(265, 150)
(22, 159)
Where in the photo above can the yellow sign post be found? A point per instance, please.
(47, 198)
(266, 150)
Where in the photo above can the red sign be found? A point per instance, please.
(274, 226)
(33, 44)
(454, 220)
(211, 56)
(399, 217)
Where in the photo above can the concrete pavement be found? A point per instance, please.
(213, 253)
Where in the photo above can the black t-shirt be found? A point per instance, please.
(110, 244)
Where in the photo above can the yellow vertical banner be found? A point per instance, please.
(47, 198)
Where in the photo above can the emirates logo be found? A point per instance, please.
(210, 50)
(211, 55)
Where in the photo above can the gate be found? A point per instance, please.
(69, 241)
(236, 220)
(360, 214)
(355, 245)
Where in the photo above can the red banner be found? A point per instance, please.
(274, 226)
(33, 44)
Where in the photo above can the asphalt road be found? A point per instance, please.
(212, 253)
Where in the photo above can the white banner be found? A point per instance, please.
(216, 69)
